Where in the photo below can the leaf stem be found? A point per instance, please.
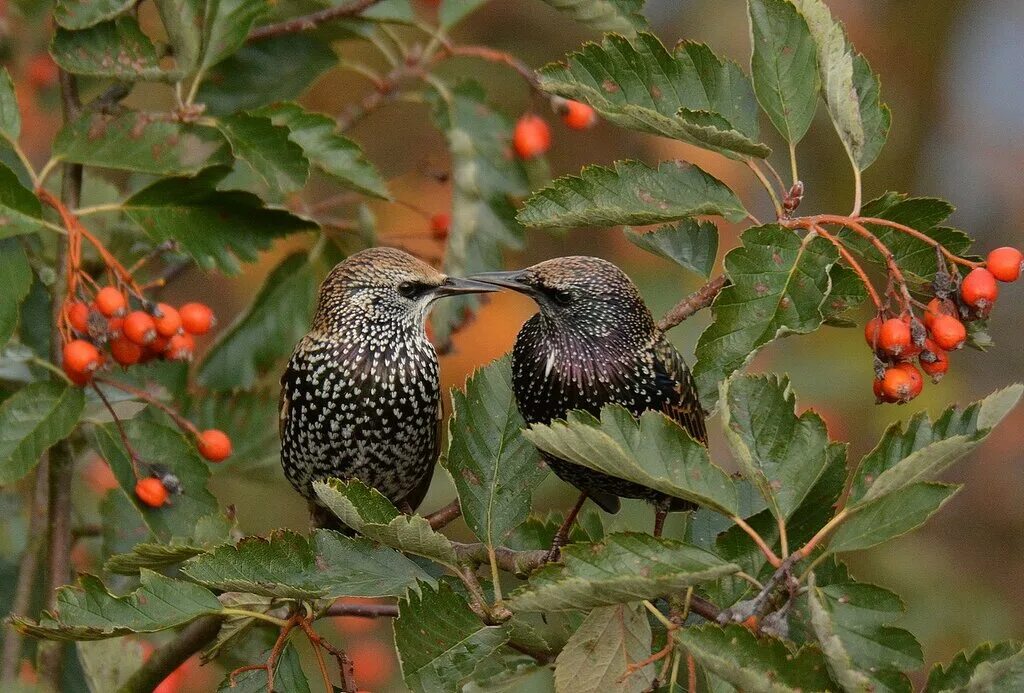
(783, 538)
(792, 163)
(807, 548)
(660, 616)
(854, 265)
(699, 299)
(767, 186)
(758, 539)
(245, 613)
(96, 209)
(495, 577)
(858, 190)
(45, 172)
(25, 162)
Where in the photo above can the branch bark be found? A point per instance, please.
(516, 562)
(309, 21)
(363, 610)
(444, 516)
(49, 655)
(698, 300)
(165, 659)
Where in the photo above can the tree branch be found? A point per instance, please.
(698, 300)
(165, 659)
(309, 21)
(516, 562)
(49, 655)
(444, 516)
(362, 610)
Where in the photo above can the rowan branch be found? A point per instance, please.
(509, 560)
(309, 21)
(168, 657)
(442, 517)
(698, 300)
(362, 610)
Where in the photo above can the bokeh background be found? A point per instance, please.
(952, 74)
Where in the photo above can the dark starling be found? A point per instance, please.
(595, 343)
(361, 395)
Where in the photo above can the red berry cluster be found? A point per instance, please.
(153, 331)
(532, 136)
(899, 340)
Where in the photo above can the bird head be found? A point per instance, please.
(382, 284)
(583, 294)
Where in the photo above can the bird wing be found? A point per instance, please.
(676, 380)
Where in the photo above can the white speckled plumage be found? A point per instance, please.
(360, 397)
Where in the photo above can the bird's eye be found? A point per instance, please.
(409, 289)
(562, 297)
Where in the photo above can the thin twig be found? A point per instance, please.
(768, 187)
(698, 300)
(758, 539)
(180, 420)
(362, 610)
(495, 56)
(309, 21)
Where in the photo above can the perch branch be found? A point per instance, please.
(444, 516)
(698, 300)
(168, 657)
(309, 21)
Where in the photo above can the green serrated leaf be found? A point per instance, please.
(890, 516)
(226, 23)
(88, 611)
(330, 152)
(630, 193)
(288, 675)
(850, 89)
(286, 565)
(623, 16)
(266, 332)
(778, 283)
(851, 623)
(925, 449)
(539, 532)
(123, 526)
(916, 258)
(784, 66)
(782, 453)
(20, 210)
(270, 156)
(32, 420)
(375, 517)
(81, 14)
(959, 673)
(690, 243)
(10, 116)
(15, 282)
(151, 556)
(440, 640)
(494, 467)
(165, 447)
(653, 451)
(847, 292)
(183, 20)
(485, 181)
(132, 141)
(217, 228)
(240, 82)
(116, 50)
(689, 94)
(621, 568)
(108, 664)
(756, 664)
(597, 656)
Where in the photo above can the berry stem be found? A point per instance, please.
(494, 56)
(768, 187)
(133, 456)
(178, 419)
(854, 265)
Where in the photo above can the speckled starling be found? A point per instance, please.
(361, 395)
(595, 343)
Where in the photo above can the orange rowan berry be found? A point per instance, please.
(78, 316)
(948, 333)
(196, 318)
(1005, 263)
(151, 491)
(979, 290)
(125, 351)
(110, 302)
(872, 330)
(531, 137)
(139, 327)
(80, 357)
(180, 347)
(894, 336)
(897, 385)
(937, 307)
(934, 361)
(169, 322)
(578, 116)
(214, 445)
(916, 381)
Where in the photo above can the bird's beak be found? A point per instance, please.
(455, 286)
(508, 280)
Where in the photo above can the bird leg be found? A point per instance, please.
(659, 521)
(562, 535)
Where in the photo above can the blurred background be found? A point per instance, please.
(951, 72)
